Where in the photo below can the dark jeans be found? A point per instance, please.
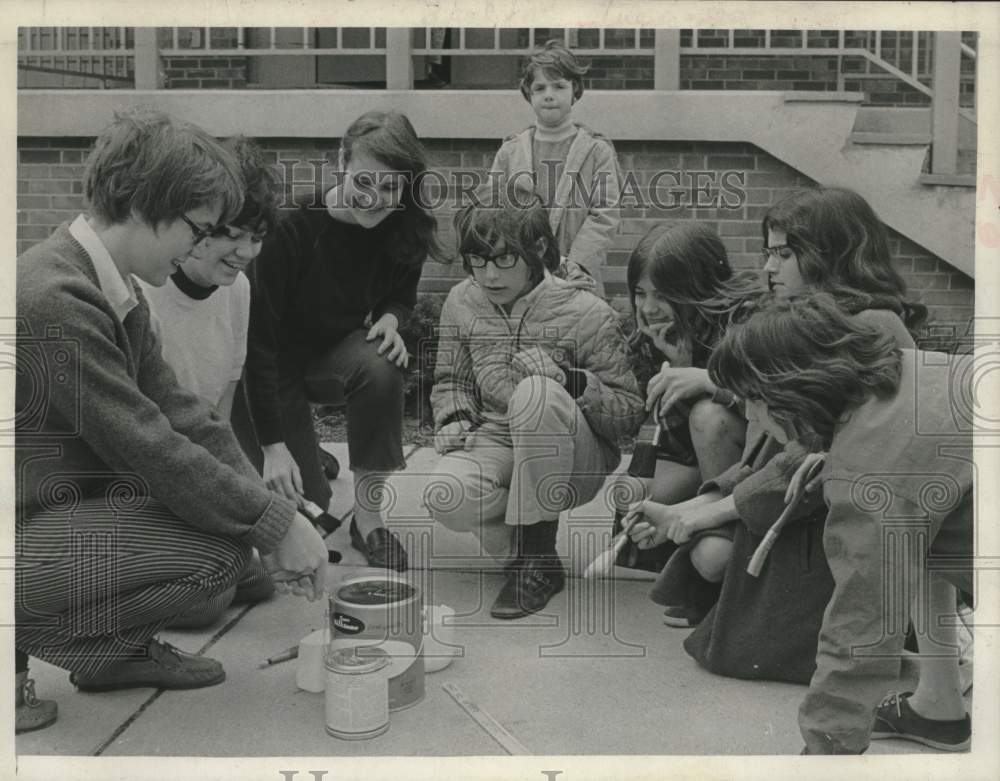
(373, 388)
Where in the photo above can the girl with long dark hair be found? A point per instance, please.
(331, 290)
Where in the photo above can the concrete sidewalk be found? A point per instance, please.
(597, 673)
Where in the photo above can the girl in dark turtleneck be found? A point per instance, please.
(330, 291)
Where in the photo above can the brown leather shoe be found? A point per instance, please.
(164, 667)
(31, 713)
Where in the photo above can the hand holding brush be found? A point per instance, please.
(600, 566)
(797, 489)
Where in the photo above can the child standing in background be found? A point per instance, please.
(572, 169)
(201, 316)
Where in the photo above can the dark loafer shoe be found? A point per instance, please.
(529, 587)
(164, 667)
(381, 548)
(330, 464)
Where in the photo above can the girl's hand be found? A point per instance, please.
(664, 522)
(654, 528)
(453, 436)
(676, 351)
(807, 474)
(670, 385)
(386, 327)
(281, 473)
(536, 361)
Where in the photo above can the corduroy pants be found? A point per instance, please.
(94, 584)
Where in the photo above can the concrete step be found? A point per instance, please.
(908, 122)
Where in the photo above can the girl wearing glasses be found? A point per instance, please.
(532, 393)
(897, 487)
(331, 288)
(201, 316)
(822, 239)
(683, 294)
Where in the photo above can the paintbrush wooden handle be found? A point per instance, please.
(757, 560)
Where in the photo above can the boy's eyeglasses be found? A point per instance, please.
(505, 260)
(780, 251)
(200, 234)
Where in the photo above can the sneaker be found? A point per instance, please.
(682, 616)
(163, 667)
(894, 718)
(531, 583)
(31, 713)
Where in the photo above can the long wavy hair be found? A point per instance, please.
(842, 248)
(389, 137)
(808, 361)
(687, 264)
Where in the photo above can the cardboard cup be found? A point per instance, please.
(310, 674)
(439, 637)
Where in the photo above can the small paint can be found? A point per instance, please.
(383, 610)
(357, 692)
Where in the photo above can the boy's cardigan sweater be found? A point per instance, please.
(102, 413)
(584, 232)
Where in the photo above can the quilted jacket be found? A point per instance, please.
(475, 376)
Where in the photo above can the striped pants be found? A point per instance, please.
(94, 585)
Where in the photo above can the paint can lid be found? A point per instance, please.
(375, 591)
(356, 659)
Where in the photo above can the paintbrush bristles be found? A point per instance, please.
(600, 566)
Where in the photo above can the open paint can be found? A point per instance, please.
(383, 611)
(357, 703)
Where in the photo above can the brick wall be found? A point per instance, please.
(49, 192)
(716, 71)
(205, 72)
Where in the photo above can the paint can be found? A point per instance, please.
(383, 611)
(357, 692)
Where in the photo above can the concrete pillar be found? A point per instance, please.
(148, 74)
(944, 104)
(667, 60)
(398, 58)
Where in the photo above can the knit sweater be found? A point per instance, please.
(316, 280)
(99, 413)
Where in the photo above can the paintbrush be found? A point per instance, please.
(325, 524)
(285, 656)
(600, 566)
(643, 463)
(760, 554)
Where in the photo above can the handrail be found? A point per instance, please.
(877, 44)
